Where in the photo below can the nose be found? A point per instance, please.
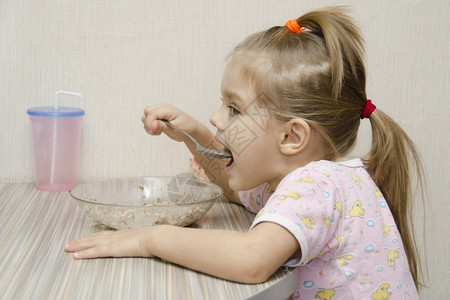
(215, 120)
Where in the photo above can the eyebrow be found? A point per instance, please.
(234, 97)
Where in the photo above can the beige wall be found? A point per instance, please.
(124, 55)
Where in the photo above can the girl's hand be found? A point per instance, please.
(124, 243)
(154, 126)
(248, 257)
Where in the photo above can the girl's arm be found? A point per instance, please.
(214, 168)
(249, 257)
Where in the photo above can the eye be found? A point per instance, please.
(233, 110)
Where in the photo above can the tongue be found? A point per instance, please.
(230, 162)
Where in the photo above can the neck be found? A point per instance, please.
(288, 163)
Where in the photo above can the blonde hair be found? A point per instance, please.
(319, 75)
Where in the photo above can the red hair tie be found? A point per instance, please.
(368, 109)
(294, 27)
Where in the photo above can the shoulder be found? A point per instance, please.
(331, 172)
(308, 188)
(321, 172)
(328, 179)
(255, 199)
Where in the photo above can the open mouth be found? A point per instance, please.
(226, 149)
(230, 162)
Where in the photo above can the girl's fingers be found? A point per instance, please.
(94, 252)
(89, 241)
(152, 124)
(110, 244)
(89, 247)
(157, 126)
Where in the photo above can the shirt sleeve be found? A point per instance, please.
(255, 199)
(304, 204)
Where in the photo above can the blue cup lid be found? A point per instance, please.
(52, 112)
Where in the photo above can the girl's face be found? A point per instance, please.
(246, 127)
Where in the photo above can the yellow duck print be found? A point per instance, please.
(377, 192)
(292, 195)
(392, 255)
(355, 179)
(356, 210)
(252, 199)
(306, 179)
(343, 260)
(339, 240)
(386, 230)
(260, 213)
(338, 207)
(326, 220)
(308, 222)
(325, 294)
(381, 293)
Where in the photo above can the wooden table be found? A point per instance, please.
(34, 226)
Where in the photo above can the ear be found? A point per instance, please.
(296, 136)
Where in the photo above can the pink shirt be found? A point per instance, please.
(350, 245)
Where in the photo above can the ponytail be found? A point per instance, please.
(388, 162)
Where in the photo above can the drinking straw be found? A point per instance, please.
(52, 172)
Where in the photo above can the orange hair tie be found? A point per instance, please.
(294, 27)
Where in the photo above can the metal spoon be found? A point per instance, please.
(200, 149)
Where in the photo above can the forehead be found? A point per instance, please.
(249, 76)
(237, 84)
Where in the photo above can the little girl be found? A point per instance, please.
(292, 100)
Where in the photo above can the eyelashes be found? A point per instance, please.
(233, 110)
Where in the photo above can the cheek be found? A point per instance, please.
(240, 136)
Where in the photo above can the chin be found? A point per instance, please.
(236, 184)
(240, 185)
